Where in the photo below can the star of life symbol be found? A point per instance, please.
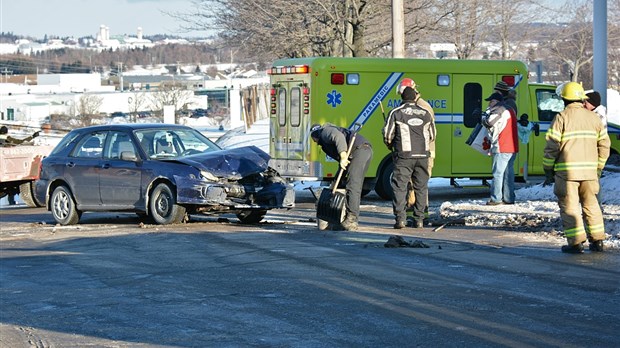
(334, 98)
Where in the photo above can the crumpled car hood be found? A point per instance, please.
(230, 163)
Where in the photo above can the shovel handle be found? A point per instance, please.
(340, 170)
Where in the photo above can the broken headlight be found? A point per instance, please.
(208, 176)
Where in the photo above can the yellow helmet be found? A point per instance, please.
(573, 91)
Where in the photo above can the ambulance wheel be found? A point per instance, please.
(383, 187)
(614, 159)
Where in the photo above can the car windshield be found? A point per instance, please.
(174, 142)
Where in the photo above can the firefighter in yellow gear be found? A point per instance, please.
(574, 156)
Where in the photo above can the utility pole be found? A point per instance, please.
(599, 34)
(398, 31)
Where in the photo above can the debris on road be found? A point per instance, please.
(400, 242)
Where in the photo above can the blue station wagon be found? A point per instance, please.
(162, 172)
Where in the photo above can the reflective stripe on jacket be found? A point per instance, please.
(577, 144)
(409, 129)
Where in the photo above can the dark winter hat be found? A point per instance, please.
(495, 96)
(408, 94)
(502, 86)
(4, 130)
(315, 130)
(594, 98)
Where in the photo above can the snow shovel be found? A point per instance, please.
(331, 205)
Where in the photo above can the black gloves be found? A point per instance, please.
(549, 173)
(36, 134)
(536, 129)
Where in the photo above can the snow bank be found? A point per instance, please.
(536, 210)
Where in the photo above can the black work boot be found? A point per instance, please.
(573, 249)
(596, 245)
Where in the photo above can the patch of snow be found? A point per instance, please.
(536, 210)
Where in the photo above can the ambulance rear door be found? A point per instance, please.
(289, 123)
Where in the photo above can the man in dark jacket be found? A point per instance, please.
(409, 130)
(335, 141)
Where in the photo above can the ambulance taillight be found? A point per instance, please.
(509, 79)
(337, 79)
(273, 101)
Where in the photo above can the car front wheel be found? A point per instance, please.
(163, 208)
(63, 207)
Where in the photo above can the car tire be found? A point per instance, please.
(163, 208)
(63, 207)
(251, 216)
(26, 193)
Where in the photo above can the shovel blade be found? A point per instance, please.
(331, 206)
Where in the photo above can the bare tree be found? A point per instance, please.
(88, 108)
(136, 102)
(511, 20)
(282, 28)
(572, 44)
(171, 93)
(466, 25)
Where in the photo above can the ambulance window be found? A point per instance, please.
(549, 104)
(295, 107)
(472, 104)
(282, 107)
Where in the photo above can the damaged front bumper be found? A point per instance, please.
(200, 192)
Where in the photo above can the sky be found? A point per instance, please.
(80, 18)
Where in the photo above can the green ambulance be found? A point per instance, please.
(350, 91)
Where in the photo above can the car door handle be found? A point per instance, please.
(70, 164)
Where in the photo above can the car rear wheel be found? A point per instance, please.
(251, 216)
(163, 208)
(63, 207)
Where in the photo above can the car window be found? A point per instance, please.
(90, 146)
(549, 104)
(64, 143)
(173, 142)
(119, 142)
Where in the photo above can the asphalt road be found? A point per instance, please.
(113, 282)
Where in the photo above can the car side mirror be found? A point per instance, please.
(129, 156)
